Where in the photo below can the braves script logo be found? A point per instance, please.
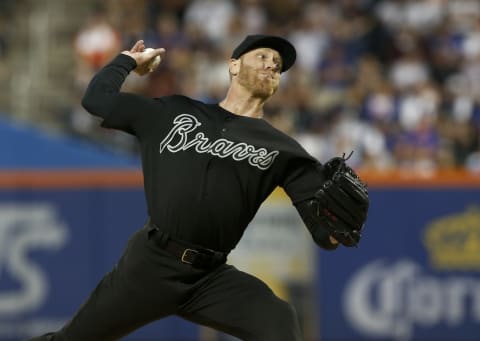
(177, 140)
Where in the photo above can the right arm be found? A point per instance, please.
(103, 96)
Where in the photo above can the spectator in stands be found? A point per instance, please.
(97, 41)
(386, 65)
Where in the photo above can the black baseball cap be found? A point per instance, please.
(279, 44)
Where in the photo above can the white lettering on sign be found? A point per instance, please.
(25, 228)
(387, 301)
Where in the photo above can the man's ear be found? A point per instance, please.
(234, 66)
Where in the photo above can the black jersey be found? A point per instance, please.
(206, 170)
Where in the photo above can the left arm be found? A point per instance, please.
(331, 200)
(303, 178)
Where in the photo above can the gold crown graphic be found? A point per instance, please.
(453, 242)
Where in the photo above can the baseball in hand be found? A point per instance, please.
(152, 64)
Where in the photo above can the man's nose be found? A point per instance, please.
(270, 64)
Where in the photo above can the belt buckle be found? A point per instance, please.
(185, 253)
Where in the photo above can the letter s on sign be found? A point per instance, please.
(24, 228)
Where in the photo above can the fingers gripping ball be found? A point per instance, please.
(342, 202)
(152, 64)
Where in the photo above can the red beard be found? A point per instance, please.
(260, 85)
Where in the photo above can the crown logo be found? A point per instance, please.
(453, 242)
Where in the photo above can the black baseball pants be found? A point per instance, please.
(148, 284)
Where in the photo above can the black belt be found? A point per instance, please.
(197, 257)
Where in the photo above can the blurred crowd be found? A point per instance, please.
(5, 33)
(396, 81)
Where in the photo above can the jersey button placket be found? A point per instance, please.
(227, 119)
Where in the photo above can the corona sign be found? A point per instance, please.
(414, 276)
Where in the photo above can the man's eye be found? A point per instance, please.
(261, 56)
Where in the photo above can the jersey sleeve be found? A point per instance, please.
(303, 178)
(120, 110)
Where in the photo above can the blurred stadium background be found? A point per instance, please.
(397, 81)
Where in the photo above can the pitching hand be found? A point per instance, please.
(143, 58)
